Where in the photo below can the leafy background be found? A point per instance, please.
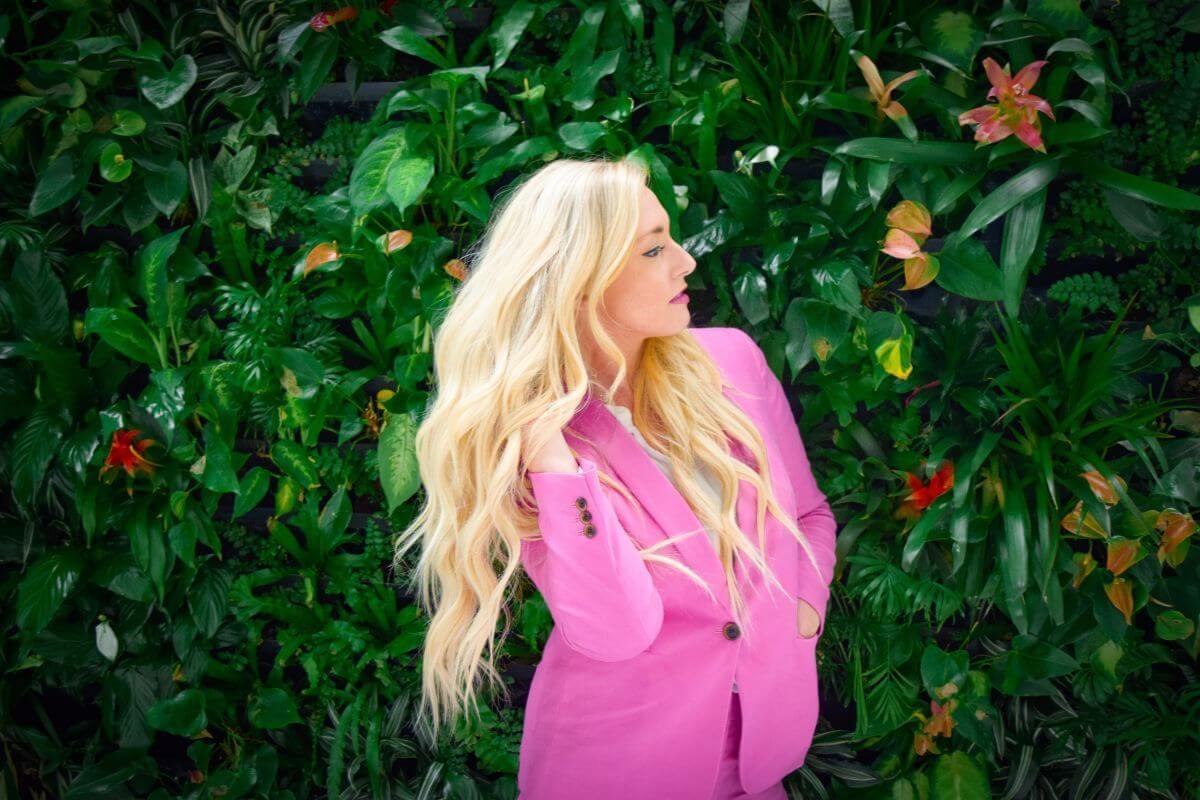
(230, 229)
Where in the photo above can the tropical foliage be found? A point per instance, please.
(965, 235)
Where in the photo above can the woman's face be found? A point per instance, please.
(638, 305)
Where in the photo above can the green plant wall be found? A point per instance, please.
(965, 235)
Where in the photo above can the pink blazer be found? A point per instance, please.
(632, 694)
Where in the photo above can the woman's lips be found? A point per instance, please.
(680, 298)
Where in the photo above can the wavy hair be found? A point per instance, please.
(507, 354)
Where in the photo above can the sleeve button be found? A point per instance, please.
(581, 502)
(589, 530)
(586, 516)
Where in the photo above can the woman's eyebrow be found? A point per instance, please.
(658, 229)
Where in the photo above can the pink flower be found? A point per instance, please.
(325, 19)
(1016, 111)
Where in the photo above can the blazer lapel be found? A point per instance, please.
(658, 495)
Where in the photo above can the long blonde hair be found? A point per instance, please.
(508, 353)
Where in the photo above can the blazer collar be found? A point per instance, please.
(619, 451)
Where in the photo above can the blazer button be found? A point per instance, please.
(731, 630)
(589, 530)
(586, 516)
(581, 502)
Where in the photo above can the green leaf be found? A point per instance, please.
(253, 488)
(216, 472)
(750, 289)
(406, 40)
(952, 34)
(967, 269)
(407, 180)
(1135, 186)
(122, 331)
(182, 715)
(166, 189)
(508, 29)
(296, 462)
(1016, 189)
(152, 275)
(44, 588)
(398, 469)
(939, 668)
(127, 123)
(168, 87)
(335, 515)
(581, 135)
(272, 708)
(370, 175)
(1173, 626)
(741, 193)
(208, 599)
(1021, 229)
(902, 151)
(13, 108)
(315, 66)
(582, 94)
(58, 184)
(956, 776)
(40, 309)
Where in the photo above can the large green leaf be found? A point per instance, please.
(152, 275)
(399, 473)
(122, 331)
(44, 588)
(902, 151)
(295, 461)
(957, 776)
(272, 708)
(967, 269)
(182, 715)
(369, 180)
(56, 185)
(1016, 189)
(406, 40)
(165, 88)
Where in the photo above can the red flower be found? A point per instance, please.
(125, 453)
(921, 495)
(324, 19)
(386, 6)
(1016, 110)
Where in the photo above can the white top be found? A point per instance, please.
(707, 480)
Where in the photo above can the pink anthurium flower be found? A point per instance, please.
(325, 19)
(1016, 110)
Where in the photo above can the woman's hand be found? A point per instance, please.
(807, 618)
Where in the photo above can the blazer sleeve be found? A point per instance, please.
(813, 513)
(599, 590)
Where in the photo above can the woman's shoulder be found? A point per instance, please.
(724, 343)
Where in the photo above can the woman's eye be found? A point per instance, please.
(652, 252)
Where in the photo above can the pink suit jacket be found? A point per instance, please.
(632, 694)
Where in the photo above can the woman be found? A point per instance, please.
(649, 478)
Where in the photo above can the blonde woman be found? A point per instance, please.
(650, 480)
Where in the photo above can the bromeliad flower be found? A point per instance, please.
(325, 19)
(921, 495)
(125, 452)
(881, 93)
(1016, 110)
